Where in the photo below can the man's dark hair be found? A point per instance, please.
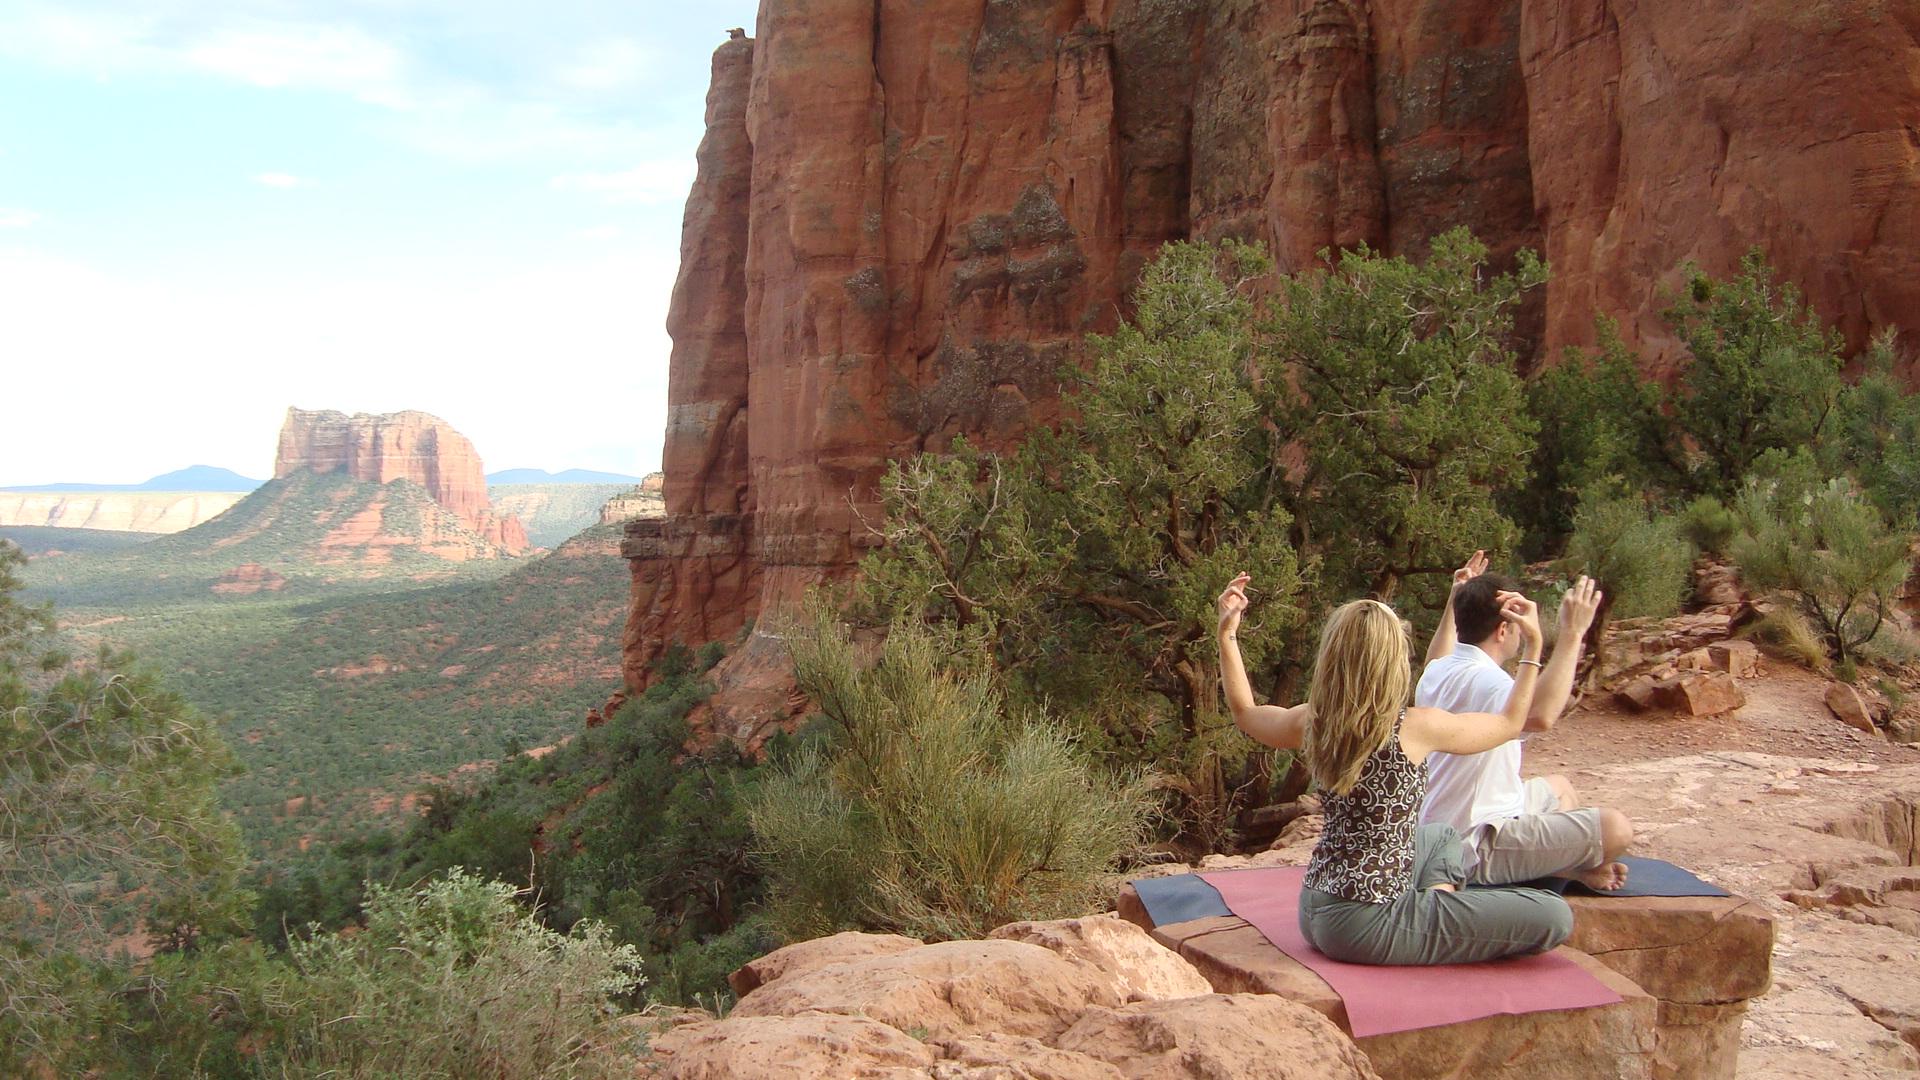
(1476, 614)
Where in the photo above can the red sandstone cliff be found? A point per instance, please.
(907, 215)
(407, 445)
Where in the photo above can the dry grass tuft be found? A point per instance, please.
(1791, 637)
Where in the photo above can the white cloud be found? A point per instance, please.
(651, 182)
(344, 59)
(608, 65)
(507, 91)
(268, 53)
(600, 232)
(16, 219)
(280, 180)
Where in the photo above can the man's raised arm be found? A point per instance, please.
(1445, 637)
(1556, 682)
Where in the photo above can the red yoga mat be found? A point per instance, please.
(1381, 1000)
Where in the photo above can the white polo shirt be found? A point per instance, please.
(1468, 791)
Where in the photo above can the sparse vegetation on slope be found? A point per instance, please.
(339, 709)
(42, 539)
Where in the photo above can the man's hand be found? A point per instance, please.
(1232, 603)
(1524, 614)
(1577, 608)
(1474, 567)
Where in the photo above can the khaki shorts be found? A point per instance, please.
(1541, 842)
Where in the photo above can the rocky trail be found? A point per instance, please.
(1814, 821)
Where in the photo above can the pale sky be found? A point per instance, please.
(213, 209)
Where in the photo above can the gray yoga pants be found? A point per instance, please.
(1428, 926)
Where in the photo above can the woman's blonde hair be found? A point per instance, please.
(1361, 681)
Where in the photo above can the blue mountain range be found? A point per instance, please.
(191, 478)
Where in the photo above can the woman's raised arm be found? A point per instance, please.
(1270, 725)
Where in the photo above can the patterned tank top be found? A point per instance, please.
(1366, 852)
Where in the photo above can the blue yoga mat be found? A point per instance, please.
(1183, 897)
(1645, 877)
(1179, 898)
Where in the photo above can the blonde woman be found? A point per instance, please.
(1380, 888)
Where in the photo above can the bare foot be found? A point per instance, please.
(1442, 886)
(1603, 878)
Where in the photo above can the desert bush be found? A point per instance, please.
(456, 979)
(1640, 559)
(934, 810)
(695, 973)
(1709, 524)
(1827, 549)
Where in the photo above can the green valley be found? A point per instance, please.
(346, 642)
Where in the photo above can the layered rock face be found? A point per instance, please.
(407, 445)
(907, 215)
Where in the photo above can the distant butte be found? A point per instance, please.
(410, 445)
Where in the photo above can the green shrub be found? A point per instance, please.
(1641, 561)
(936, 811)
(1709, 524)
(1876, 436)
(695, 973)
(111, 833)
(1826, 548)
(456, 979)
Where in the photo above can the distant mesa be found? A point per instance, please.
(114, 511)
(409, 445)
(565, 476)
(168, 503)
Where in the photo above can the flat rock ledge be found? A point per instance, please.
(1684, 967)
(1074, 999)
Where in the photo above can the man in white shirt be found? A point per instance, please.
(1511, 829)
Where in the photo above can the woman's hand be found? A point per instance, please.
(1524, 614)
(1231, 604)
(1577, 608)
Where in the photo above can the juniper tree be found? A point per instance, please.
(1393, 383)
(1599, 417)
(111, 829)
(1763, 373)
(1085, 563)
(1361, 423)
(1875, 435)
